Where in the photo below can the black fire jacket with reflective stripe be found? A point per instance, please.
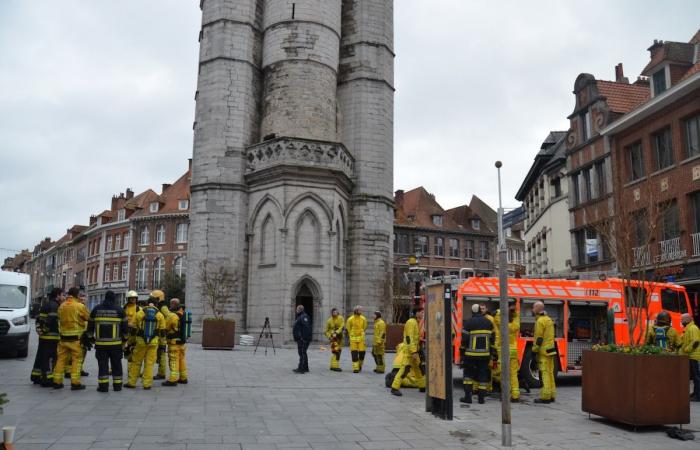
(477, 337)
(47, 322)
(107, 324)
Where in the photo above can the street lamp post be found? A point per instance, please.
(504, 350)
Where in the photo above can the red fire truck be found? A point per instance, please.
(579, 309)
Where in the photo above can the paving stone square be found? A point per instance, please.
(240, 400)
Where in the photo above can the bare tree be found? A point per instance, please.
(629, 232)
(218, 286)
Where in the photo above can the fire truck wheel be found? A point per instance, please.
(529, 370)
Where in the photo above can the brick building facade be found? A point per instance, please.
(656, 157)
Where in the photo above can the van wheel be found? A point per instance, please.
(23, 352)
(530, 371)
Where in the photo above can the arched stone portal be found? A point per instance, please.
(307, 292)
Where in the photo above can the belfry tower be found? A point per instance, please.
(292, 174)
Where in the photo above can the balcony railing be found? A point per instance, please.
(642, 256)
(670, 250)
(696, 244)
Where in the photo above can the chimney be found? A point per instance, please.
(129, 194)
(398, 197)
(189, 164)
(115, 202)
(165, 186)
(620, 75)
(655, 48)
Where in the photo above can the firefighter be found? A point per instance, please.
(107, 327)
(544, 349)
(47, 329)
(150, 327)
(130, 309)
(478, 345)
(408, 380)
(72, 321)
(662, 334)
(85, 345)
(513, 331)
(158, 298)
(334, 333)
(494, 368)
(356, 326)
(410, 355)
(690, 345)
(378, 342)
(177, 334)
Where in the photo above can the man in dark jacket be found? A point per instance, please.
(107, 326)
(478, 348)
(302, 335)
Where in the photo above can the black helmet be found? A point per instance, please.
(663, 318)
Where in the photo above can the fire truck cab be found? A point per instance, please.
(579, 309)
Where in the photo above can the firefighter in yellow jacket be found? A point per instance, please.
(177, 344)
(334, 333)
(411, 356)
(356, 326)
(690, 345)
(545, 350)
(130, 309)
(494, 367)
(379, 342)
(158, 298)
(72, 322)
(513, 331)
(150, 327)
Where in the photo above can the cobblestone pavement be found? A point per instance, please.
(237, 400)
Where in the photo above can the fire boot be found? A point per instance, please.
(481, 394)
(467, 394)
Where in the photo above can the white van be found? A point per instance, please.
(14, 312)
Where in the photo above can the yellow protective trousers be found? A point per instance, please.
(178, 365)
(378, 353)
(65, 350)
(546, 365)
(162, 358)
(412, 368)
(357, 351)
(143, 354)
(81, 361)
(514, 386)
(336, 350)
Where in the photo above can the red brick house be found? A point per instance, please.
(160, 229)
(656, 153)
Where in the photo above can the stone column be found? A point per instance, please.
(300, 62)
(226, 121)
(366, 104)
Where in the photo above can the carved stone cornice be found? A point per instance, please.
(284, 151)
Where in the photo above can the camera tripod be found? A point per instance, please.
(266, 333)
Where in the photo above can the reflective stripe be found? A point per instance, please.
(49, 337)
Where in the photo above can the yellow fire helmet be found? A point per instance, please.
(132, 294)
(160, 295)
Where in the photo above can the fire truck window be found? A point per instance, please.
(672, 301)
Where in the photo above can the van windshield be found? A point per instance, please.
(13, 297)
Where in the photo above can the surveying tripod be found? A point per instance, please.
(266, 333)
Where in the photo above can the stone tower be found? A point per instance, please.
(293, 156)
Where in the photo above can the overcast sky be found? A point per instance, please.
(97, 96)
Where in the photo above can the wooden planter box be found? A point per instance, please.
(218, 334)
(636, 390)
(394, 336)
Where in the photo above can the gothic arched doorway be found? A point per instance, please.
(305, 298)
(306, 292)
